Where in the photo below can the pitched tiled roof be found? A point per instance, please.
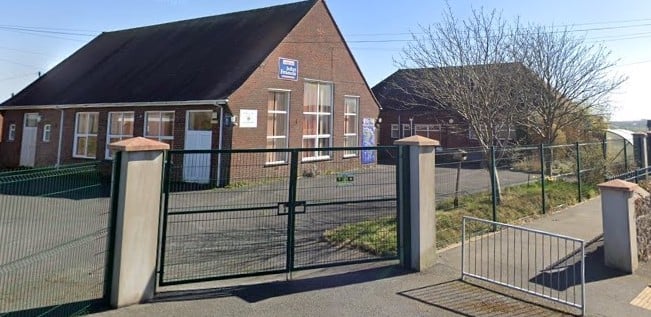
(200, 59)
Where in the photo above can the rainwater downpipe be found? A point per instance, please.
(60, 136)
(220, 145)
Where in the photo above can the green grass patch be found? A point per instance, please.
(519, 204)
(373, 236)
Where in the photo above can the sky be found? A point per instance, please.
(376, 31)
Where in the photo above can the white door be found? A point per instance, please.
(198, 136)
(28, 145)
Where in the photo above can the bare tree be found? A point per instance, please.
(465, 67)
(571, 82)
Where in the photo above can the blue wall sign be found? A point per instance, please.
(287, 69)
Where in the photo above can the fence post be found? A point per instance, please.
(578, 168)
(618, 218)
(542, 175)
(137, 208)
(493, 176)
(625, 155)
(419, 230)
(640, 149)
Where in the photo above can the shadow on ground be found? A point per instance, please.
(469, 299)
(68, 309)
(567, 273)
(260, 292)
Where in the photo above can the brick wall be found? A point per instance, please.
(322, 56)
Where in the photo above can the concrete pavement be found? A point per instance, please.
(383, 289)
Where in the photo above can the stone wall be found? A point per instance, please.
(643, 223)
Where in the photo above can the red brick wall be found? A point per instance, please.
(46, 152)
(451, 135)
(323, 56)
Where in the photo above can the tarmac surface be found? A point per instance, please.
(385, 289)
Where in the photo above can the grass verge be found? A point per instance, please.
(518, 204)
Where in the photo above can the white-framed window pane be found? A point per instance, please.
(317, 118)
(310, 124)
(120, 127)
(160, 126)
(276, 157)
(85, 139)
(325, 98)
(12, 132)
(47, 132)
(31, 120)
(406, 130)
(81, 146)
(198, 121)
(82, 123)
(311, 97)
(395, 131)
(324, 124)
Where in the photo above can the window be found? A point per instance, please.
(395, 131)
(351, 123)
(47, 132)
(406, 130)
(85, 144)
(277, 119)
(317, 120)
(159, 126)
(120, 127)
(427, 130)
(12, 132)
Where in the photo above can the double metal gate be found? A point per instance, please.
(274, 211)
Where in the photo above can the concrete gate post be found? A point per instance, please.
(618, 217)
(418, 221)
(640, 149)
(136, 198)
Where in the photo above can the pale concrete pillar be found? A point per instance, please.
(137, 195)
(640, 149)
(418, 223)
(618, 217)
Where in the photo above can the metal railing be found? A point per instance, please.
(54, 225)
(539, 263)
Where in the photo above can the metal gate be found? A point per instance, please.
(276, 211)
(539, 263)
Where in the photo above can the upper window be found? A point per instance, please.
(395, 131)
(120, 126)
(159, 126)
(351, 123)
(11, 136)
(277, 119)
(85, 143)
(317, 119)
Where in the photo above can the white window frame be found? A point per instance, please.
(429, 129)
(395, 131)
(406, 127)
(273, 92)
(86, 135)
(318, 114)
(47, 133)
(121, 135)
(11, 136)
(347, 115)
(158, 137)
